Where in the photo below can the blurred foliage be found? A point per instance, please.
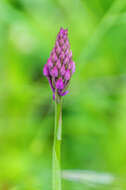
(94, 112)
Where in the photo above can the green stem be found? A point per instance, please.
(57, 143)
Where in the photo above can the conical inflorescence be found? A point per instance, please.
(60, 66)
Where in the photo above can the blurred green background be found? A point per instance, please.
(94, 112)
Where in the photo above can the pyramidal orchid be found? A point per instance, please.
(60, 66)
(59, 70)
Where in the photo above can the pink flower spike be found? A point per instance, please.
(60, 66)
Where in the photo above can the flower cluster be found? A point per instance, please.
(60, 67)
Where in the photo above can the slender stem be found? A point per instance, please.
(57, 143)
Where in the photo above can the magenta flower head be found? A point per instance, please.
(60, 66)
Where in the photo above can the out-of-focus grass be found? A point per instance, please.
(94, 111)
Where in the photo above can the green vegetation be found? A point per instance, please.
(94, 112)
